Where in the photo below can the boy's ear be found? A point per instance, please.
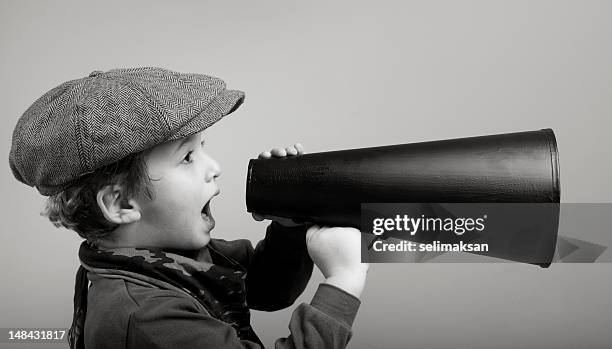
(115, 208)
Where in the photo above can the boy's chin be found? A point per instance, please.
(194, 245)
(203, 239)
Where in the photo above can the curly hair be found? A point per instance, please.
(76, 207)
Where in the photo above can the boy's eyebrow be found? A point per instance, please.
(183, 142)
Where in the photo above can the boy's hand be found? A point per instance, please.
(337, 253)
(294, 150)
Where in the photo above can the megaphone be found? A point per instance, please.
(329, 187)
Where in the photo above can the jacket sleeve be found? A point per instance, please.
(177, 322)
(324, 323)
(279, 269)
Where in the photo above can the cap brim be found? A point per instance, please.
(224, 104)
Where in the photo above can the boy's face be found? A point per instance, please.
(183, 183)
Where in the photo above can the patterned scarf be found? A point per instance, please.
(219, 287)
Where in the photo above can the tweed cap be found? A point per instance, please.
(84, 124)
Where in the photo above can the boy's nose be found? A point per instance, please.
(214, 170)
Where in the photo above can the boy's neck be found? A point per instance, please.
(121, 237)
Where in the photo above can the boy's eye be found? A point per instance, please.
(188, 158)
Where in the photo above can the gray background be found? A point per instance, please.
(337, 75)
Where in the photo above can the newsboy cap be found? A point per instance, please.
(84, 124)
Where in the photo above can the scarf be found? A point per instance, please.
(218, 286)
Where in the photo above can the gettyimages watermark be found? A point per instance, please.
(534, 233)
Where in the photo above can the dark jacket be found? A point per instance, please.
(130, 310)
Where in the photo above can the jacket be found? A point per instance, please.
(131, 310)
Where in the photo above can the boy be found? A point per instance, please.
(121, 156)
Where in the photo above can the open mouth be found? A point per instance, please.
(206, 215)
(206, 211)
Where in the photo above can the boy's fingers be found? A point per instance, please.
(291, 151)
(278, 152)
(265, 155)
(296, 149)
(312, 230)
